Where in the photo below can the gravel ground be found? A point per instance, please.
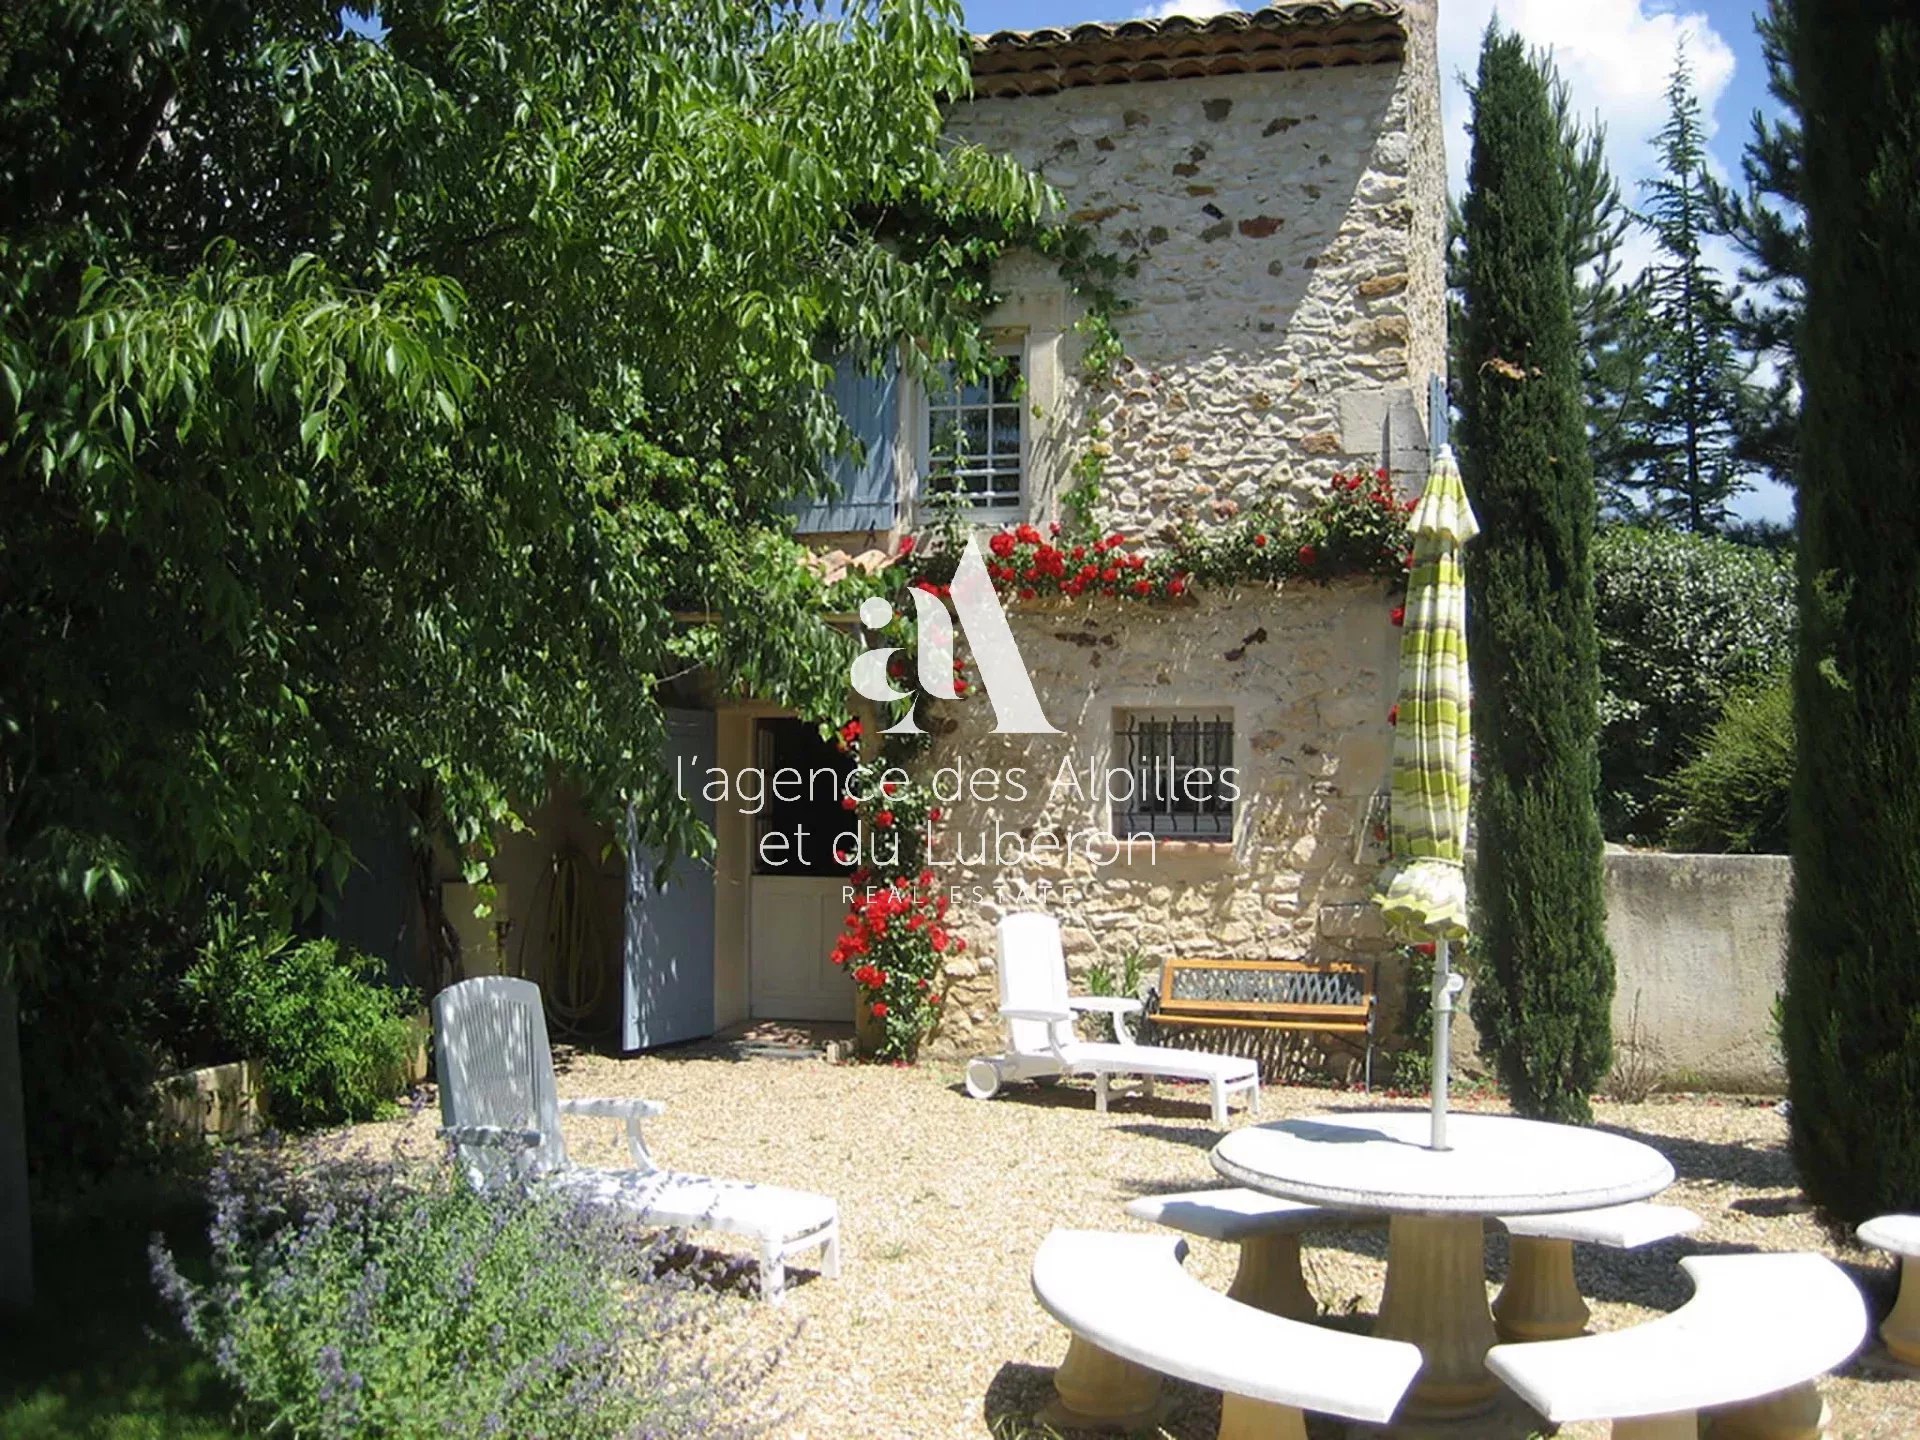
(932, 1331)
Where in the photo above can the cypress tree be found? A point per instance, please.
(1543, 972)
(1852, 1010)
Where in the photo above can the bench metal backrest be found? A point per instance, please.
(495, 1068)
(1255, 985)
(1033, 976)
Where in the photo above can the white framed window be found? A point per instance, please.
(974, 439)
(1181, 768)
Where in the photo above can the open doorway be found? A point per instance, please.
(796, 899)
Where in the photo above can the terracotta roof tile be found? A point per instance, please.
(1298, 35)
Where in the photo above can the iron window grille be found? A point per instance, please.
(976, 438)
(1175, 764)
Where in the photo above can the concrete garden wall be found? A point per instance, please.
(1699, 944)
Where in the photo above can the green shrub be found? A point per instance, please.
(95, 1035)
(394, 1302)
(1686, 621)
(1733, 796)
(334, 1040)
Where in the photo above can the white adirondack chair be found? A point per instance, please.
(1039, 1016)
(499, 1108)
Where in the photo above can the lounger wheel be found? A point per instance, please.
(983, 1079)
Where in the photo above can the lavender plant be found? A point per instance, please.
(355, 1300)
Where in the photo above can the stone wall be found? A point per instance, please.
(1287, 305)
(1306, 675)
(1284, 313)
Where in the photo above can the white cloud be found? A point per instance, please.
(1616, 57)
(1198, 9)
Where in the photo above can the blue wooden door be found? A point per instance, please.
(667, 992)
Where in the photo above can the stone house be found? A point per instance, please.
(1277, 182)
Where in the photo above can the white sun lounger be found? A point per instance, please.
(1041, 1041)
(499, 1108)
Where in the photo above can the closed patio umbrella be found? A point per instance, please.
(1424, 892)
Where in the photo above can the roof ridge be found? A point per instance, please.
(1298, 34)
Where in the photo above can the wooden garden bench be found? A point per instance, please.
(1336, 996)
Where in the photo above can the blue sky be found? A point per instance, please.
(1615, 54)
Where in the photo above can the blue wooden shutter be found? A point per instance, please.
(867, 491)
(1438, 417)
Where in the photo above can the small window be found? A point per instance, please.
(976, 438)
(1181, 767)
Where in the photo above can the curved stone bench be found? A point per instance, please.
(1136, 1314)
(1266, 1228)
(1899, 1235)
(1759, 1328)
(1540, 1300)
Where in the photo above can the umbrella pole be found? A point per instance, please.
(1442, 1040)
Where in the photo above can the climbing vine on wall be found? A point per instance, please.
(895, 941)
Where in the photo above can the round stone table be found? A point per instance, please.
(1438, 1203)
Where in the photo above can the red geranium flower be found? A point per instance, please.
(1306, 555)
(883, 819)
(907, 543)
(1399, 615)
(879, 1009)
(1001, 545)
(1260, 540)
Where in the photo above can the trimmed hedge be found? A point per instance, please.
(1686, 623)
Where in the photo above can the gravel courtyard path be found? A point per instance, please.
(932, 1332)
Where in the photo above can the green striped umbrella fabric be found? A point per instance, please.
(1424, 895)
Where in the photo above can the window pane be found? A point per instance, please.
(1175, 760)
(974, 438)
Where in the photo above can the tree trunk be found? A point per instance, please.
(16, 1235)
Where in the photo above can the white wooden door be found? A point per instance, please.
(793, 922)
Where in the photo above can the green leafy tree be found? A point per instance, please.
(1544, 975)
(1764, 222)
(1853, 985)
(400, 417)
(1696, 386)
(1686, 622)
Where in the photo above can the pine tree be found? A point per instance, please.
(1852, 1009)
(1544, 975)
(1608, 313)
(1696, 384)
(1765, 226)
